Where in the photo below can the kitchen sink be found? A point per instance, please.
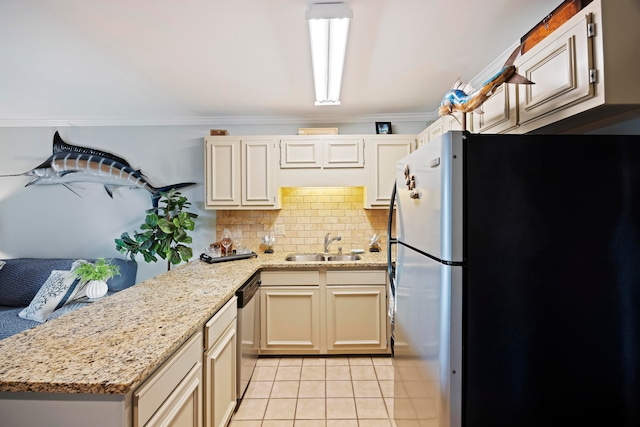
(305, 257)
(320, 257)
(343, 257)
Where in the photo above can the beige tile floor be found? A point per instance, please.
(318, 392)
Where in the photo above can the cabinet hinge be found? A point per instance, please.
(593, 75)
(591, 30)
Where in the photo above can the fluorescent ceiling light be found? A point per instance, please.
(328, 31)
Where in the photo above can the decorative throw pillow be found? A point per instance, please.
(59, 289)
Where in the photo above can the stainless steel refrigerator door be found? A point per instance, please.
(429, 194)
(427, 348)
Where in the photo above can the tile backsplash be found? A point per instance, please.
(307, 214)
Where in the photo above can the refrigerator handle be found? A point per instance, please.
(391, 240)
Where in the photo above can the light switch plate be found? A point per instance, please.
(279, 229)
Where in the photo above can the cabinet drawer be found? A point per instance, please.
(293, 278)
(154, 391)
(219, 323)
(360, 277)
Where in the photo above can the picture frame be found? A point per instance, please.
(383, 128)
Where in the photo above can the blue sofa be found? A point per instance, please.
(21, 278)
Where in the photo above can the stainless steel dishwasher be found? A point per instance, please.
(248, 342)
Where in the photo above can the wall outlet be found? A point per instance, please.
(279, 229)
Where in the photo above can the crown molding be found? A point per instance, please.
(217, 120)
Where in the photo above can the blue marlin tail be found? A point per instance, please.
(70, 164)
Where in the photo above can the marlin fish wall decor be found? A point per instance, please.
(465, 99)
(70, 164)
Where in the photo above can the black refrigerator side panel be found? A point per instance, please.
(551, 327)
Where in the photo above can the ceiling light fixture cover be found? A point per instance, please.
(328, 31)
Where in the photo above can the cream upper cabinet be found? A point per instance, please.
(222, 172)
(582, 71)
(435, 129)
(560, 68)
(333, 151)
(499, 114)
(443, 125)
(343, 152)
(382, 153)
(240, 173)
(423, 138)
(301, 152)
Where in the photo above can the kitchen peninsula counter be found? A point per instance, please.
(112, 346)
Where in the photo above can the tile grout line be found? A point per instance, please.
(299, 381)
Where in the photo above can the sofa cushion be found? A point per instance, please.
(59, 289)
(21, 278)
(12, 324)
(127, 277)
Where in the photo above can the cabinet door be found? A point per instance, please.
(220, 380)
(382, 155)
(559, 66)
(343, 152)
(423, 138)
(435, 129)
(356, 311)
(499, 113)
(222, 172)
(454, 122)
(301, 152)
(290, 319)
(183, 408)
(172, 396)
(356, 317)
(259, 186)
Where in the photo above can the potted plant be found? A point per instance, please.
(96, 275)
(164, 232)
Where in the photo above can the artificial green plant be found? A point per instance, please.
(101, 270)
(164, 232)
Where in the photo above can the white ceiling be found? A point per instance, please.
(206, 61)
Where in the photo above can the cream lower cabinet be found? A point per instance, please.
(220, 366)
(356, 311)
(290, 312)
(324, 312)
(172, 396)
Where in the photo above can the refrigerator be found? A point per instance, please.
(516, 281)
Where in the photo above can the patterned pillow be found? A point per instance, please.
(59, 289)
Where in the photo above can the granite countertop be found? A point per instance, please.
(113, 345)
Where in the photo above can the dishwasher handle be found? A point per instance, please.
(246, 292)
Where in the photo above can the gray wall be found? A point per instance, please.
(52, 221)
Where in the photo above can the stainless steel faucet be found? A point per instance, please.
(328, 241)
